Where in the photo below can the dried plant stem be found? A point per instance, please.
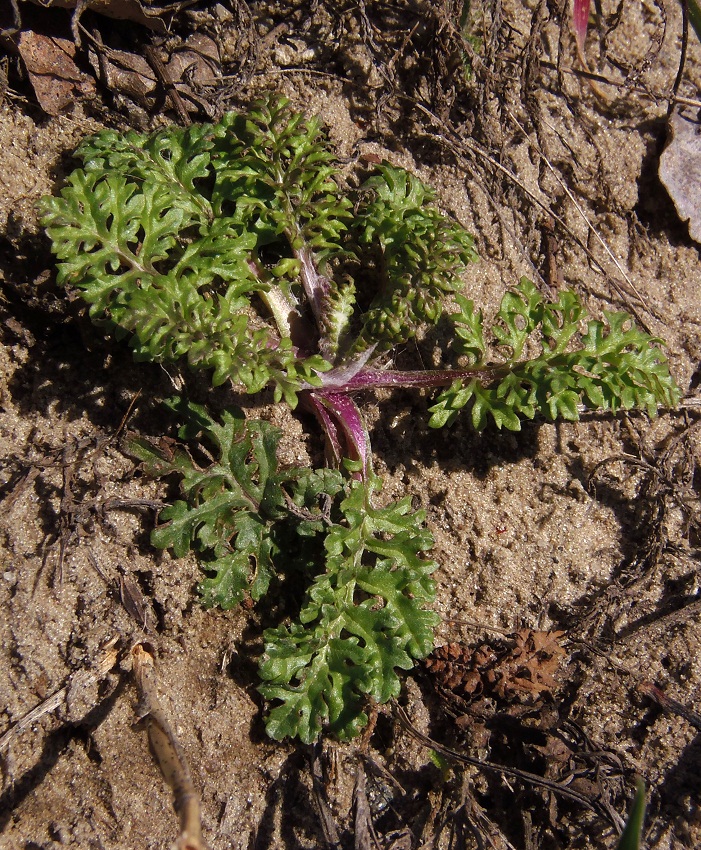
(106, 661)
(588, 76)
(623, 84)
(465, 146)
(596, 805)
(167, 749)
(668, 704)
(590, 227)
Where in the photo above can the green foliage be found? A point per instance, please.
(142, 233)
(240, 512)
(631, 835)
(237, 248)
(202, 243)
(275, 168)
(422, 256)
(364, 618)
(611, 365)
(252, 522)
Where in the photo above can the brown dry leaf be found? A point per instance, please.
(55, 77)
(531, 665)
(680, 169)
(123, 10)
(461, 668)
(196, 60)
(136, 604)
(524, 669)
(177, 76)
(125, 73)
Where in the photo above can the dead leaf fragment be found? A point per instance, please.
(176, 77)
(196, 60)
(135, 603)
(125, 73)
(53, 73)
(680, 169)
(523, 670)
(125, 10)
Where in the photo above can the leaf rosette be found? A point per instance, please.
(241, 249)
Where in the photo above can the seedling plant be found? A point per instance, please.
(238, 248)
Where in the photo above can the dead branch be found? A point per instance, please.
(106, 661)
(166, 747)
(531, 778)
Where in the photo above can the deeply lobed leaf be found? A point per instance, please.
(235, 509)
(167, 237)
(365, 617)
(233, 246)
(612, 365)
(422, 255)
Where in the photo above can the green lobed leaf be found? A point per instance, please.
(164, 236)
(469, 332)
(423, 254)
(176, 159)
(235, 513)
(519, 314)
(611, 365)
(274, 161)
(365, 617)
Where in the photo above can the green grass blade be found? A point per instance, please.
(630, 838)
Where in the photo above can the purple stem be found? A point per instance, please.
(340, 417)
(344, 427)
(372, 378)
(316, 286)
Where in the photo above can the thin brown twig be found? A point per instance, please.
(669, 704)
(645, 687)
(365, 835)
(74, 513)
(525, 776)
(622, 84)
(167, 749)
(106, 661)
(127, 416)
(168, 84)
(332, 836)
(682, 54)
(590, 227)
(459, 146)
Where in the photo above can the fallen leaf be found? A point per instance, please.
(124, 73)
(53, 73)
(524, 668)
(680, 169)
(196, 60)
(137, 79)
(123, 10)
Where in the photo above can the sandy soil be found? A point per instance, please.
(524, 536)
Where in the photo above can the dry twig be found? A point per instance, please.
(167, 749)
(669, 704)
(594, 805)
(107, 660)
(464, 147)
